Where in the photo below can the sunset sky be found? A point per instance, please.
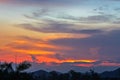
(61, 34)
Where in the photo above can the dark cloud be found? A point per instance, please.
(59, 56)
(92, 31)
(108, 45)
(110, 39)
(101, 18)
(34, 59)
(59, 28)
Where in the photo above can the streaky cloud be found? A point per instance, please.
(59, 28)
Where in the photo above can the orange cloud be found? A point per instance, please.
(84, 65)
(20, 41)
(29, 47)
(10, 56)
(39, 49)
(23, 55)
(35, 49)
(65, 35)
(106, 63)
(55, 60)
(41, 57)
(40, 44)
(24, 51)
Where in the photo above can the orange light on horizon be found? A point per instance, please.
(55, 60)
(86, 61)
(40, 50)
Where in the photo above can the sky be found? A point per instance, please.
(61, 34)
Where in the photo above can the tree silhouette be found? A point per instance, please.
(74, 75)
(6, 67)
(8, 73)
(94, 75)
(53, 75)
(22, 66)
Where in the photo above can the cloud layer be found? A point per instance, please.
(61, 34)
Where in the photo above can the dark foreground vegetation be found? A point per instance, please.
(8, 72)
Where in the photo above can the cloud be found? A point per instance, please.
(102, 9)
(59, 28)
(33, 46)
(65, 23)
(97, 19)
(80, 57)
(34, 59)
(107, 45)
(38, 14)
(101, 47)
(41, 52)
(102, 17)
(47, 15)
(8, 55)
(59, 56)
(108, 39)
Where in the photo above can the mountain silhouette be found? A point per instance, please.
(54, 75)
(111, 74)
(40, 74)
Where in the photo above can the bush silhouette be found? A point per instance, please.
(8, 73)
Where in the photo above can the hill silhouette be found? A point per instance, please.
(8, 73)
(111, 74)
(73, 75)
